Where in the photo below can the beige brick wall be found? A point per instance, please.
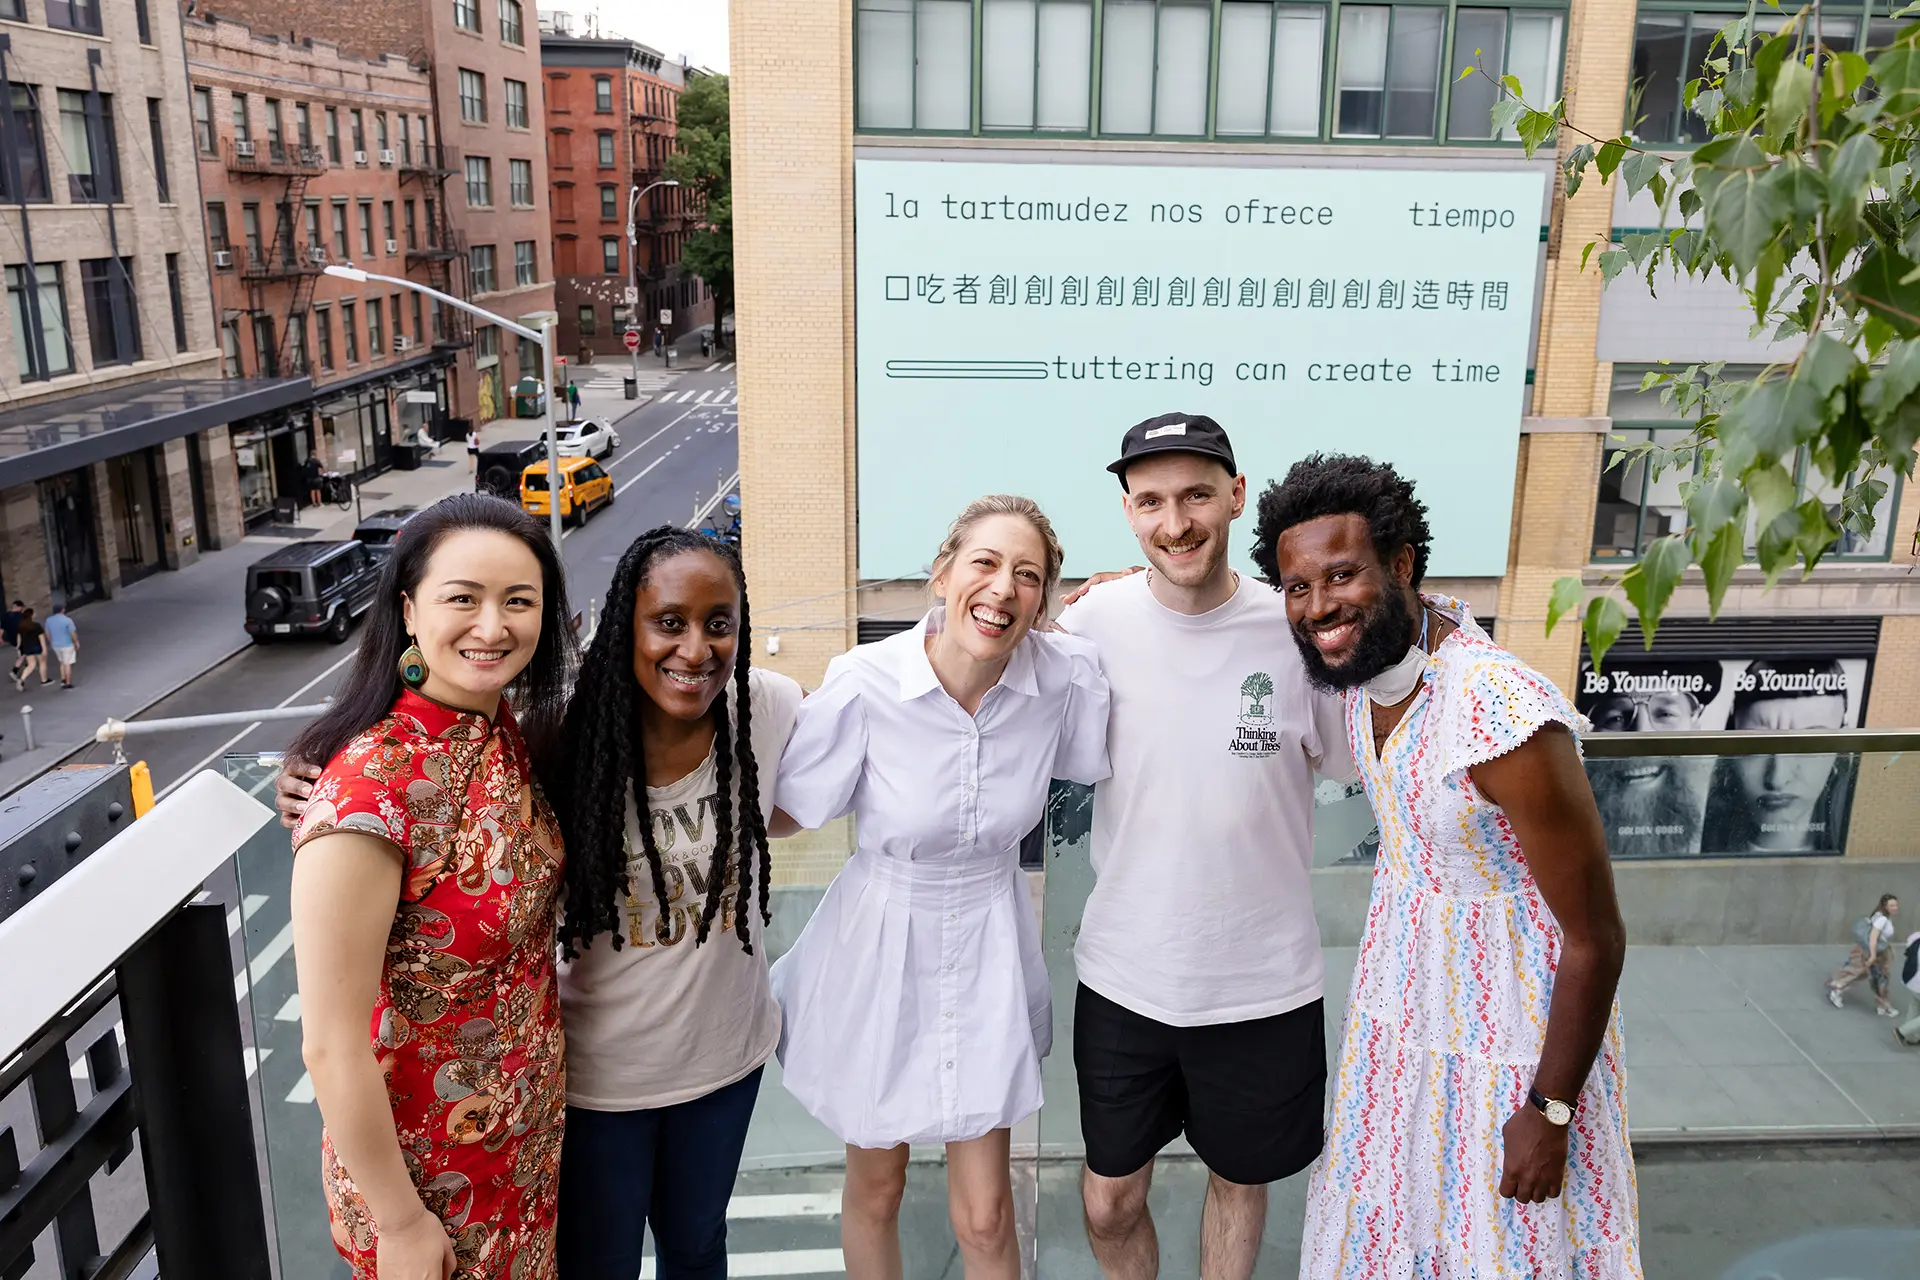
(792, 90)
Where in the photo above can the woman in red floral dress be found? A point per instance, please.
(424, 892)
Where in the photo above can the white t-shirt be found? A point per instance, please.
(657, 1023)
(1202, 910)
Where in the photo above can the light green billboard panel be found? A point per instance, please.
(1015, 319)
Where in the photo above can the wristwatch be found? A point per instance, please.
(1556, 1111)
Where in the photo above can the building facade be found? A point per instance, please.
(612, 111)
(1024, 111)
(115, 454)
(310, 156)
(486, 170)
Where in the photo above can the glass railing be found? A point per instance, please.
(1745, 1086)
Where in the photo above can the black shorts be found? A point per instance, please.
(1250, 1096)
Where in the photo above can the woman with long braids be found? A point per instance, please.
(669, 1015)
(916, 998)
(426, 872)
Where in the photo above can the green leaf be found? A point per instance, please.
(1893, 382)
(1881, 285)
(1506, 114)
(1725, 553)
(1849, 169)
(1896, 73)
(1770, 488)
(1565, 598)
(1609, 157)
(1576, 167)
(1651, 588)
(1536, 127)
(1605, 620)
(1715, 503)
(1639, 244)
(1744, 212)
(1638, 170)
(1787, 103)
(1802, 191)
(1765, 276)
(1612, 262)
(1708, 103)
(1690, 203)
(1586, 251)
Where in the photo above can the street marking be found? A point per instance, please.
(814, 1204)
(787, 1262)
(226, 746)
(704, 395)
(248, 905)
(290, 1011)
(302, 1090)
(268, 956)
(706, 508)
(635, 451)
(79, 1070)
(636, 479)
(722, 368)
(253, 1059)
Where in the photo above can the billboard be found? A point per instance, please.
(1687, 806)
(1015, 319)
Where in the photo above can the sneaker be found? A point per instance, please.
(1833, 998)
(1885, 1012)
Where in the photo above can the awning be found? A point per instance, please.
(76, 431)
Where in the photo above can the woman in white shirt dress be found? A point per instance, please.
(916, 1005)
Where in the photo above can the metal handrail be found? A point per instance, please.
(1749, 742)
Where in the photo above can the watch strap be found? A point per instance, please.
(1542, 1102)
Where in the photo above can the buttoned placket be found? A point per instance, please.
(951, 931)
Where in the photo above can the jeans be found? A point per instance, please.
(674, 1166)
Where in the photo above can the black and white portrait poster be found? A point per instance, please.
(1718, 806)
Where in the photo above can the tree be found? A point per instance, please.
(703, 164)
(1805, 198)
(1259, 687)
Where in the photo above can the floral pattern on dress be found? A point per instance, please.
(466, 1027)
(1448, 1012)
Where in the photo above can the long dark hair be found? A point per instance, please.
(606, 765)
(538, 694)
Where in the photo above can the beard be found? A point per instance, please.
(1386, 632)
(1647, 818)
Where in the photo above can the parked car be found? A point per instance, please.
(585, 487)
(310, 588)
(378, 531)
(499, 466)
(593, 438)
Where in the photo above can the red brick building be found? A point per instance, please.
(612, 107)
(311, 155)
(483, 167)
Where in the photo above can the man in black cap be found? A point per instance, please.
(1199, 1009)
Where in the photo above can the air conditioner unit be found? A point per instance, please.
(401, 342)
(317, 254)
(243, 149)
(222, 258)
(386, 158)
(393, 247)
(359, 157)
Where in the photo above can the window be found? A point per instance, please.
(1269, 77)
(380, 130)
(563, 202)
(606, 150)
(406, 140)
(230, 363)
(86, 132)
(265, 352)
(1153, 69)
(520, 183)
(466, 14)
(349, 331)
(314, 236)
(587, 321)
(1387, 75)
(333, 134)
(386, 222)
(916, 64)
(41, 346)
(323, 337)
(242, 127)
(1036, 64)
(473, 97)
(609, 198)
(250, 229)
(479, 182)
(486, 344)
(203, 120)
(516, 100)
(1669, 49)
(297, 342)
(602, 94)
(413, 232)
(276, 139)
(158, 141)
(565, 256)
(29, 151)
(526, 355)
(366, 231)
(217, 227)
(524, 266)
(376, 331)
(176, 302)
(481, 264)
(340, 249)
(419, 334)
(399, 323)
(359, 126)
(303, 128)
(610, 255)
(74, 15)
(142, 21)
(113, 326)
(1516, 42)
(510, 22)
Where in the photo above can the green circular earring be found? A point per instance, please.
(413, 665)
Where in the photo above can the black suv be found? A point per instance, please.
(379, 530)
(310, 588)
(497, 470)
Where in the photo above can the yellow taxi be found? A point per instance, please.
(585, 487)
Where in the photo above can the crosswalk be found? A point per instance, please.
(649, 380)
(708, 396)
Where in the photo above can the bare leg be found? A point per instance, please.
(870, 1212)
(1119, 1228)
(1230, 1228)
(980, 1202)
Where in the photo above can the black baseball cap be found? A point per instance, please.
(1174, 433)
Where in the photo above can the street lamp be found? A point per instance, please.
(543, 336)
(633, 257)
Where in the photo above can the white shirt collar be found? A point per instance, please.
(917, 677)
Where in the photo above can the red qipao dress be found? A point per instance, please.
(467, 1023)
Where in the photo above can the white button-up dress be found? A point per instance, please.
(916, 1005)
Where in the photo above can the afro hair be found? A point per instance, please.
(1332, 484)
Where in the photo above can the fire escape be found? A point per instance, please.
(441, 251)
(285, 260)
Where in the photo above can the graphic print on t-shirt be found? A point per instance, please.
(1254, 736)
(684, 834)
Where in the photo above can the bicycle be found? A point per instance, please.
(337, 489)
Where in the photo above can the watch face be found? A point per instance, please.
(1559, 1112)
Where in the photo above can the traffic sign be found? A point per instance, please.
(666, 316)
(632, 339)
(630, 295)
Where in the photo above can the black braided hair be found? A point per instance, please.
(606, 766)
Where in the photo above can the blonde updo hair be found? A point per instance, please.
(1004, 504)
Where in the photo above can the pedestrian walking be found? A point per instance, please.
(916, 1000)
(64, 638)
(1869, 957)
(473, 450)
(33, 650)
(316, 477)
(10, 635)
(1908, 1032)
(1482, 1018)
(573, 402)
